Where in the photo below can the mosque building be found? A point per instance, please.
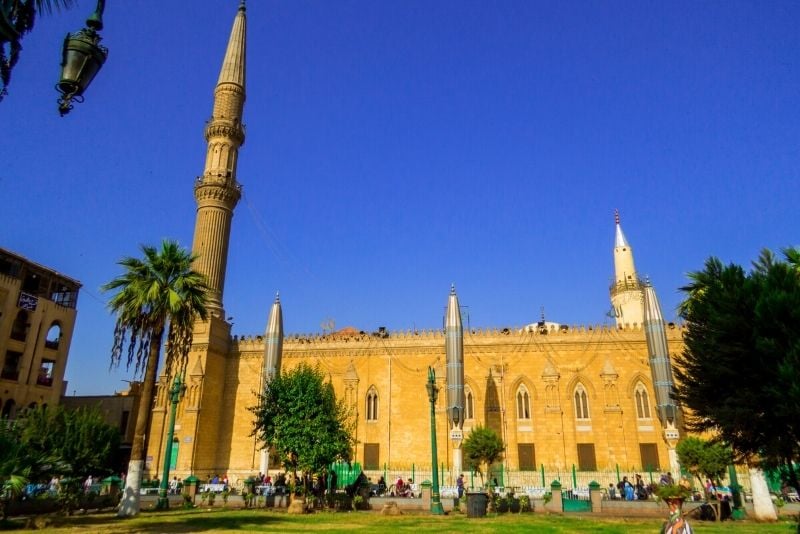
(595, 396)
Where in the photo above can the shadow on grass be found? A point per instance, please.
(172, 521)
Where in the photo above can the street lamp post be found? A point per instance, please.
(175, 394)
(81, 59)
(433, 391)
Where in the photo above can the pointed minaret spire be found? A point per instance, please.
(234, 62)
(217, 191)
(273, 346)
(454, 358)
(626, 290)
(619, 237)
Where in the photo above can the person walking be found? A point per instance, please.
(460, 485)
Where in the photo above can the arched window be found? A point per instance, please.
(53, 336)
(581, 402)
(372, 404)
(642, 402)
(523, 403)
(469, 409)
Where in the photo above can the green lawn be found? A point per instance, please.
(271, 521)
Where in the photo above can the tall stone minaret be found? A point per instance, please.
(201, 425)
(626, 290)
(217, 191)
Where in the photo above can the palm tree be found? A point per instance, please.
(16, 19)
(160, 293)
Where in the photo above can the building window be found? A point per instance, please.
(469, 409)
(586, 457)
(527, 456)
(649, 454)
(11, 365)
(372, 456)
(9, 409)
(53, 336)
(642, 402)
(19, 330)
(523, 403)
(372, 404)
(581, 403)
(45, 375)
(123, 423)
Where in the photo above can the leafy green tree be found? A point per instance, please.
(73, 443)
(17, 18)
(299, 417)
(158, 294)
(482, 448)
(738, 372)
(704, 458)
(13, 472)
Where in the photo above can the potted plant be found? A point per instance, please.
(674, 492)
(514, 504)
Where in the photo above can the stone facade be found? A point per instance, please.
(526, 383)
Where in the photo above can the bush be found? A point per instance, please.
(524, 503)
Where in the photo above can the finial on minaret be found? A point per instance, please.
(541, 309)
(452, 289)
(619, 237)
(277, 293)
(241, 6)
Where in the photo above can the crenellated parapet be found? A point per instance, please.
(301, 345)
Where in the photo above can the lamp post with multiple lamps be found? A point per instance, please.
(176, 393)
(81, 59)
(433, 391)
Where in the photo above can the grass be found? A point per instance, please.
(209, 521)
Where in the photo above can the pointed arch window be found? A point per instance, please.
(581, 402)
(469, 404)
(642, 402)
(372, 404)
(523, 403)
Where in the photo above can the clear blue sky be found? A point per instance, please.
(394, 148)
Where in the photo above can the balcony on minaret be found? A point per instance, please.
(620, 286)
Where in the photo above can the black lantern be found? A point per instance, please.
(81, 59)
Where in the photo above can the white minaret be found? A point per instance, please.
(626, 290)
(273, 352)
(454, 354)
(661, 371)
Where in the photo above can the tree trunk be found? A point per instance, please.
(129, 505)
(763, 508)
